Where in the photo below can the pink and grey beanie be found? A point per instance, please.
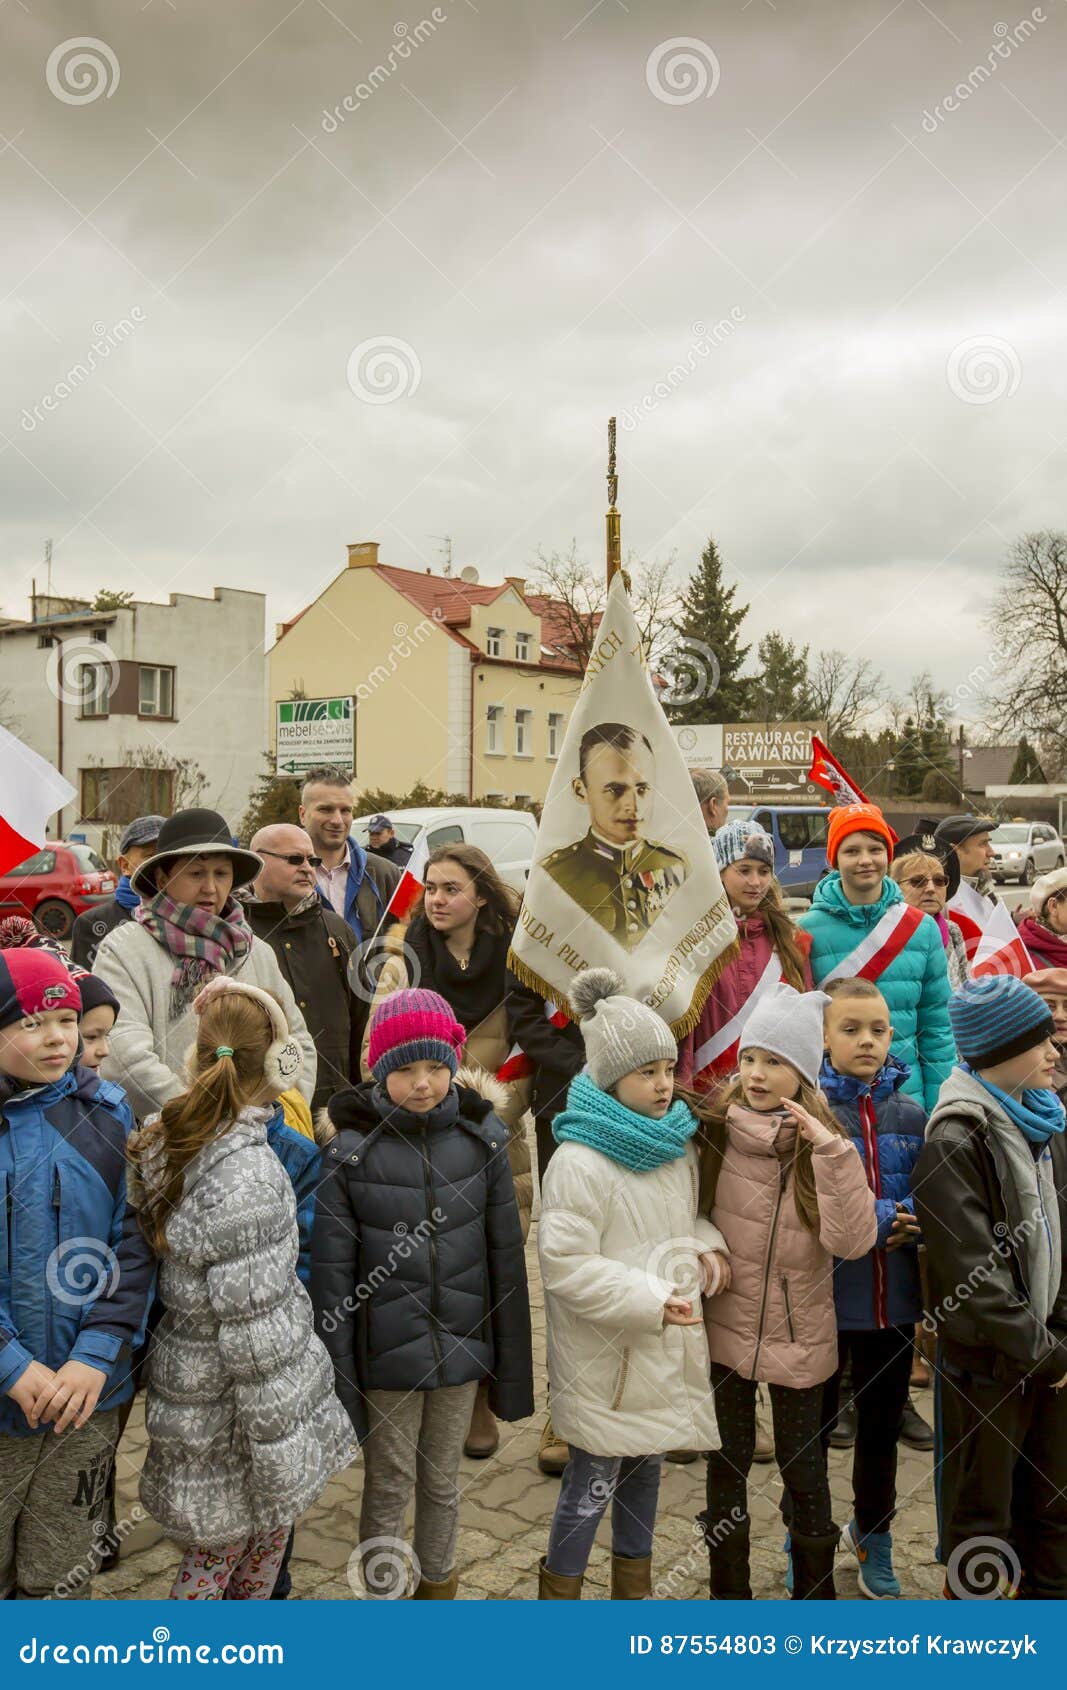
(413, 1025)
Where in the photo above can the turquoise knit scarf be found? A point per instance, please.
(1038, 1114)
(637, 1142)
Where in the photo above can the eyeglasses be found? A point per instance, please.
(917, 880)
(295, 859)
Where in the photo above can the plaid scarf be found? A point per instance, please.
(202, 944)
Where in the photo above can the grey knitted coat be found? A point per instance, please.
(243, 1424)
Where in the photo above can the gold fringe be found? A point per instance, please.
(684, 1024)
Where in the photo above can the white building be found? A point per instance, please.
(146, 708)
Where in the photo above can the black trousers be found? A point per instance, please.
(881, 1369)
(1001, 1475)
(798, 1419)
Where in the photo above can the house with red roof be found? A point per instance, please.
(464, 686)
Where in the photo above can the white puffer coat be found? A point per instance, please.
(613, 1246)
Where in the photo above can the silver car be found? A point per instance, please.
(1023, 850)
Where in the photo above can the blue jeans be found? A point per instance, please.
(590, 1482)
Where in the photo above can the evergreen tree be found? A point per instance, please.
(910, 767)
(1026, 770)
(706, 659)
(779, 692)
(275, 798)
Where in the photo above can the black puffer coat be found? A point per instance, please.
(418, 1275)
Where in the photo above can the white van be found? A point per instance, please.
(506, 836)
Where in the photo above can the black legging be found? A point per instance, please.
(797, 1416)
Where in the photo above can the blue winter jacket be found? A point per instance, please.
(300, 1158)
(915, 985)
(886, 1126)
(76, 1272)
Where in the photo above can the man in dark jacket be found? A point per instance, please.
(313, 946)
(137, 844)
(383, 842)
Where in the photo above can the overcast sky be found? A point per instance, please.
(541, 211)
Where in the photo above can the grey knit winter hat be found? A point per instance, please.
(789, 1024)
(620, 1034)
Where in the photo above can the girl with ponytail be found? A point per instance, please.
(243, 1425)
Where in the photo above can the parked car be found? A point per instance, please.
(1023, 850)
(59, 882)
(799, 834)
(506, 836)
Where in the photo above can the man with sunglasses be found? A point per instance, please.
(313, 945)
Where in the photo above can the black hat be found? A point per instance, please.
(926, 840)
(955, 829)
(196, 833)
(96, 992)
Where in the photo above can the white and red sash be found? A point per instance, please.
(992, 939)
(718, 1055)
(882, 945)
(517, 1065)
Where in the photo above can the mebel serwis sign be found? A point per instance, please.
(623, 870)
(316, 731)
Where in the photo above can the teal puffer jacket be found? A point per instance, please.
(915, 985)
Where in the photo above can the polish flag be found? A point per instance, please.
(31, 792)
(827, 772)
(992, 938)
(517, 1065)
(406, 894)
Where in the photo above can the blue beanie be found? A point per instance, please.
(995, 1018)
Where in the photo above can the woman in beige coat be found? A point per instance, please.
(457, 944)
(788, 1192)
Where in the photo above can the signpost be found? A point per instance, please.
(314, 731)
(760, 759)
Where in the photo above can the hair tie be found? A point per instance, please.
(223, 1050)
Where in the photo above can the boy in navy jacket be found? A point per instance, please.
(878, 1298)
(75, 1278)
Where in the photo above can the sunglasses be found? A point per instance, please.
(295, 859)
(918, 880)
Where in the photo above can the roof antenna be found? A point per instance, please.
(446, 540)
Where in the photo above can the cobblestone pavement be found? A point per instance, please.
(506, 1508)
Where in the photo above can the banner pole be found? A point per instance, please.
(613, 520)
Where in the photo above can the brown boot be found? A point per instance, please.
(483, 1438)
(631, 1581)
(444, 1591)
(552, 1453)
(555, 1587)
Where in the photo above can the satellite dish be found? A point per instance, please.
(469, 574)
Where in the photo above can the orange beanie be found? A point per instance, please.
(856, 818)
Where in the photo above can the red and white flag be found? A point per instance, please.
(406, 894)
(517, 1065)
(31, 792)
(992, 938)
(827, 772)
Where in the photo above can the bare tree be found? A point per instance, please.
(1028, 623)
(844, 691)
(580, 592)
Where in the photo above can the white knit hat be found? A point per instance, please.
(620, 1033)
(1045, 887)
(789, 1024)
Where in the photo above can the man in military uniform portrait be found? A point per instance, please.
(617, 876)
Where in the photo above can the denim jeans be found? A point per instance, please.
(590, 1482)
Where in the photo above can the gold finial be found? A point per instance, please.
(613, 520)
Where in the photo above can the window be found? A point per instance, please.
(495, 798)
(447, 835)
(42, 862)
(555, 732)
(494, 729)
(523, 719)
(94, 685)
(100, 634)
(503, 841)
(44, 641)
(493, 641)
(87, 859)
(522, 647)
(118, 796)
(801, 830)
(155, 694)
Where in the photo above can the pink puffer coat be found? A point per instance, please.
(776, 1322)
(731, 991)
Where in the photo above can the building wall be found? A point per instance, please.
(505, 772)
(359, 637)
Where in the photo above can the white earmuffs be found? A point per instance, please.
(284, 1060)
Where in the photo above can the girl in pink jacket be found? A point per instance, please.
(788, 1193)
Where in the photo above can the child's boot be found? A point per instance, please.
(631, 1580)
(874, 1553)
(441, 1590)
(813, 1566)
(557, 1587)
(728, 1569)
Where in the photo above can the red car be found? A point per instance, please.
(56, 884)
